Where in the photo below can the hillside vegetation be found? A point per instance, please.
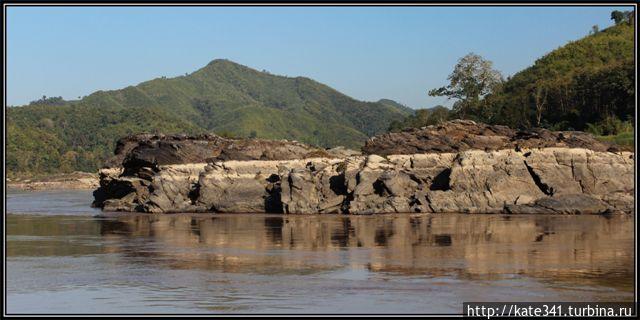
(587, 85)
(52, 135)
(583, 82)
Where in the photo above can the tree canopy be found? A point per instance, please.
(588, 84)
(473, 77)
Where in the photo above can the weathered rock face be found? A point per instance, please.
(315, 186)
(462, 135)
(139, 151)
(141, 164)
(552, 180)
(459, 167)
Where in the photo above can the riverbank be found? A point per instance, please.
(68, 181)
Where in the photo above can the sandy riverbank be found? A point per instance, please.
(75, 180)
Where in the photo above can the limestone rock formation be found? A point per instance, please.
(552, 180)
(545, 173)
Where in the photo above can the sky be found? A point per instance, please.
(368, 53)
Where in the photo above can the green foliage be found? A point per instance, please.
(45, 139)
(610, 125)
(51, 101)
(587, 84)
(52, 135)
(582, 82)
(422, 118)
(472, 78)
(397, 105)
(623, 139)
(621, 16)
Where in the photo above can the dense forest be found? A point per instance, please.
(52, 135)
(584, 82)
(588, 85)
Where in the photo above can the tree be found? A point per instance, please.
(594, 29)
(572, 86)
(472, 78)
(617, 16)
(540, 94)
(621, 16)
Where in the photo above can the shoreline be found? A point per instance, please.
(126, 214)
(66, 181)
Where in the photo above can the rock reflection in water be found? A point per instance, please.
(580, 250)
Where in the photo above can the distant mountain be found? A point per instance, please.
(397, 105)
(53, 135)
(421, 118)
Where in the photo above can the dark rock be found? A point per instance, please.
(139, 151)
(565, 204)
(461, 135)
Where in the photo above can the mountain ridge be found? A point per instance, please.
(223, 97)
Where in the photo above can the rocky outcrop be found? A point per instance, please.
(135, 152)
(462, 135)
(139, 176)
(281, 177)
(552, 180)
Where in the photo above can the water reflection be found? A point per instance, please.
(585, 249)
(264, 263)
(66, 260)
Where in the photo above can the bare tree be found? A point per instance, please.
(540, 93)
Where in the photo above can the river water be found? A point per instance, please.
(64, 258)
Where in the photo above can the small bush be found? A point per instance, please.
(610, 126)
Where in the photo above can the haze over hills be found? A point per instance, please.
(53, 135)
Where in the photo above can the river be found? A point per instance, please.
(64, 257)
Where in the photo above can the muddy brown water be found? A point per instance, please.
(62, 258)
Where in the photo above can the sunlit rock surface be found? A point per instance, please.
(538, 172)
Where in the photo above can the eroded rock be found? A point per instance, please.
(457, 167)
(462, 135)
(563, 204)
(554, 180)
(149, 150)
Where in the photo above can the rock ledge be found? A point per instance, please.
(457, 167)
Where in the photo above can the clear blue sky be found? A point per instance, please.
(368, 53)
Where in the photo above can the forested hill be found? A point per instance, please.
(586, 85)
(52, 135)
(588, 81)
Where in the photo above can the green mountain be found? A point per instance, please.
(398, 105)
(588, 81)
(422, 118)
(53, 135)
(588, 84)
